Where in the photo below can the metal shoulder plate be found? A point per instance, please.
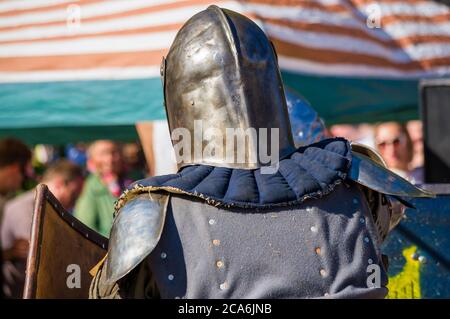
(370, 172)
(135, 233)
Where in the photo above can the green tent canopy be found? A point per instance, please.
(62, 112)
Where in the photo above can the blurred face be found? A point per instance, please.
(392, 145)
(66, 192)
(344, 130)
(415, 132)
(11, 178)
(131, 153)
(106, 158)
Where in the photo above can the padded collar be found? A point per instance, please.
(310, 172)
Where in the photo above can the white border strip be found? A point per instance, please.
(351, 45)
(79, 75)
(355, 70)
(84, 11)
(29, 4)
(286, 63)
(104, 44)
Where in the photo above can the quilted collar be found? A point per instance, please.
(310, 172)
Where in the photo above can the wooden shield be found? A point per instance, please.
(62, 251)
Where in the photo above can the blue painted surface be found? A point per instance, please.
(427, 228)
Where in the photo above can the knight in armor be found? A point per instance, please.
(311, 228)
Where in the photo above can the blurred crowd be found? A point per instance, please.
(399, 144)
(87, 179)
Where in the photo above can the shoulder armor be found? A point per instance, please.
(382, 188)
(135, 233)
(369, 171)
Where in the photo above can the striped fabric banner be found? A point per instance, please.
(382, 38)
(368, 55)
(90, 39)
(45, 40)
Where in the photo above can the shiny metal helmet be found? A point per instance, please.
(222, 70)
(307, 126)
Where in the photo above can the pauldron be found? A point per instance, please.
(386, 193)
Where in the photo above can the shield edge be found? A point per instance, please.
(42, 196)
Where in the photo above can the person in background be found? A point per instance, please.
(15, 166)
(103, 186)
(65, 180)
(15, 162)
(360, 133)
(394, 144)
(134, 161)
(416, 165)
